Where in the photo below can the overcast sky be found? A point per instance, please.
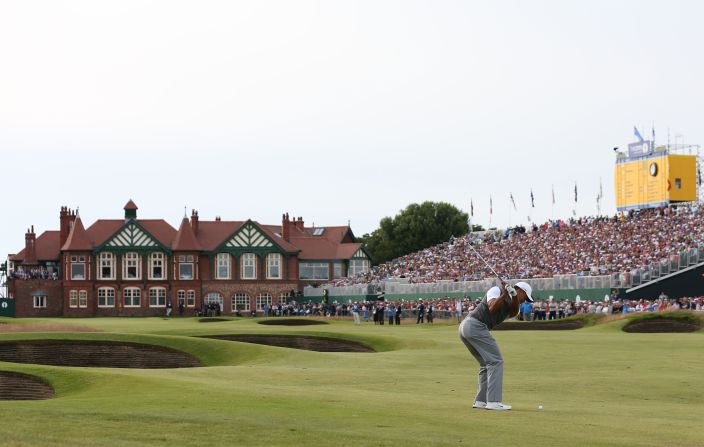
(333, 110)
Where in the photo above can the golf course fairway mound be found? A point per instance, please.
(309, 343)
(212, 320)
(16, 386)
(660, 325)
(291, 322)
(89, 353)
(554, 325)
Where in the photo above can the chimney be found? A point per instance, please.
(285, 227)
(194, 221)
(299, 223)
(30, 247)
(217, 219)
(64, 225)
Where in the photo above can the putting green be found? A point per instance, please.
(599, 387)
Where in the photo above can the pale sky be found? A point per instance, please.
(333, 110)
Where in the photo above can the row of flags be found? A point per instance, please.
(599, 198)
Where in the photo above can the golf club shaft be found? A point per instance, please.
(486, 263)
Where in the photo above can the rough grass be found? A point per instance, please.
(599, 387)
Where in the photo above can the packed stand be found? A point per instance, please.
(585, 246)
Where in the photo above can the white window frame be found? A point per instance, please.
(156, 294)
(185, 260)
(132, 294)
(337, 270)
(73, 299)
(283, 297)
(190, 298)
(104, 295)
(273, 260)
(354, 269)
(157, 259)
(248, 260)
(127, 259)
(106, 259)
(264, 298)
(181, 297)
(240, 299)
(317, 267)
(39, 301)
(222, 261)
(82, 298)
(77, 261)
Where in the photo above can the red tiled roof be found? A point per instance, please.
(103, 229)
(47, 245)
(77, 238)
(185, 238)
(213, 233)
(130, 205)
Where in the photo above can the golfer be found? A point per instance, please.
(498, 304)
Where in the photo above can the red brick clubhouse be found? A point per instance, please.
(136, 266)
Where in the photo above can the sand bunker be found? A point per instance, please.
(660, 325)
(212, 320)
(17, 386)
(88, 353)
(292, 322)
(554, 325)
(309, 343)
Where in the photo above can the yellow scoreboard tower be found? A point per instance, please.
(650, 177)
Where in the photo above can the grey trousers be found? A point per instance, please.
(478, 340)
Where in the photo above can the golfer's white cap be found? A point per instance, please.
(526, 288)
(493, 293)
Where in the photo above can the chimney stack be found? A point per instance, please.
(285, 227)
(299, 223)
(66, 218)
(194, 221)
(30, 247)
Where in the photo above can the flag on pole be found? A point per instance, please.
(637, 134)
(491, 205)
(553, 194)
(601, 190)
(513, 202)
(471, 207)
(532, 199)
(575, 192)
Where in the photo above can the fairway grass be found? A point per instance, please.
(599, 386)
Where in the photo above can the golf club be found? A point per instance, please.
(509, 287)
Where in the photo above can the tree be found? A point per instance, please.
(415, 228)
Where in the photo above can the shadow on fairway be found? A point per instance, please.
(90, 353)
(308, 343)
(291, 322)
(213, 320)
(16, 386)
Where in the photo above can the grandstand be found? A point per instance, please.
(584, 258)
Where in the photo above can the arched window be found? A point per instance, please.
(106, 297)
(157, 297)
(240, 302)
(262, 300)
(132, 297)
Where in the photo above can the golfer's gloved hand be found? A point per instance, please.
(511, 290)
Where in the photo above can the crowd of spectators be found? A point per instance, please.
(585, 246)
(458, 308)
(33, 273)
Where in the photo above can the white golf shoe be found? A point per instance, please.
(497, 406)
(479, 404)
